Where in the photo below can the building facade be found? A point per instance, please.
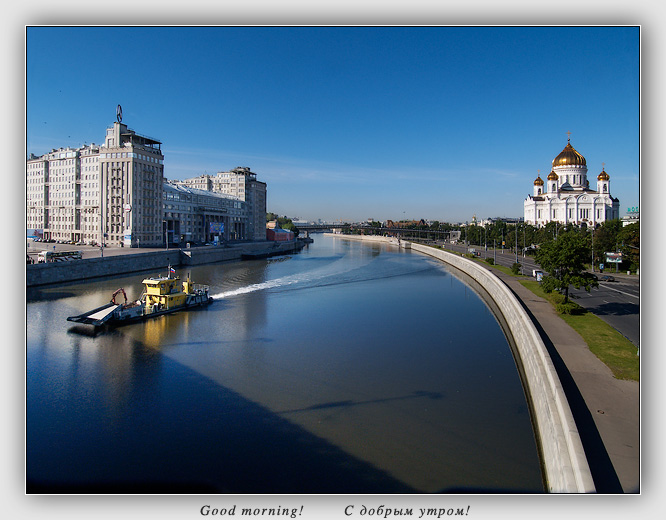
(566, 197)
(202, 216)
(116, 194)
(63, 194)
(131, 170)
(242, 183)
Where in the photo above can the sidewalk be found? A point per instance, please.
(606, 410)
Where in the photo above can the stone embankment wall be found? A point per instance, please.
(132, 261)
(565, 466)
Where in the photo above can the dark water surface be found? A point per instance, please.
(347, 368)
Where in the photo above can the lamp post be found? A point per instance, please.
(593, 248)
(101, 235)
(166, 234)
(516, 231)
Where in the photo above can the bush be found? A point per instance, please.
(490, 261)
(515, 268)
(569, 308)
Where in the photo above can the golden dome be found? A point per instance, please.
(569, 156)
(538, 181)
(552, 176)
(603, 176)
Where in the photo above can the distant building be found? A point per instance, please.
(632, 217)
(565, 195)
(405, 224)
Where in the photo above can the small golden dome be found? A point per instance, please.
(552, 176)
(603, 176)
(538, 181)
(569, 156)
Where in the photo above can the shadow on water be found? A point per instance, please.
(227, 444)
(350, 403)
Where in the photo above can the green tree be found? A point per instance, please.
(629, 241)
(564, 260)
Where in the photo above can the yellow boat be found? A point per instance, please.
(162, 295)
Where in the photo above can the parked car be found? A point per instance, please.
(607, 278)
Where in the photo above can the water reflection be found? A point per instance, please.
(345, 369)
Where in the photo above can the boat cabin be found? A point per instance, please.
(164, 292)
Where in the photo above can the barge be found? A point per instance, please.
(161, 295)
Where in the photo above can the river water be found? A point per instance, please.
(348, 368)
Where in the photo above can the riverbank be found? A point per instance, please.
(565, 465)
(123, 261)
(606, 410)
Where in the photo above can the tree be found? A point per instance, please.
(629, 239)
(564, 260)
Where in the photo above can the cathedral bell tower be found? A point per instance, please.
(603, 182)
(538, 186)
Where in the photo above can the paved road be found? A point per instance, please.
(617, 303)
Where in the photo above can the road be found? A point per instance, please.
(617, 303)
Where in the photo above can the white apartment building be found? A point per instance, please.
(62, 194)
(116, 194)
(132, 172)
(110, 193)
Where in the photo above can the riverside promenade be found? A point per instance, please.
(606, 409)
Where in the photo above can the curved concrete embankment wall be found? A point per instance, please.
(564, 463)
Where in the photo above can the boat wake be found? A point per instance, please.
(337, 269)
(336, 273)
(278, 282)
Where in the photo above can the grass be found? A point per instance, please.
(611, 347)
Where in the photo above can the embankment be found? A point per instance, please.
(565, 466)
(133, 261)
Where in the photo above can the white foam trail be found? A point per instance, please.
(315, 274)
(279, 282)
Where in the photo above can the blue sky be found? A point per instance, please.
(352, 123)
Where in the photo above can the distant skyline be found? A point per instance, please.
(352, 123)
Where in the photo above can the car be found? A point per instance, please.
(607, 278)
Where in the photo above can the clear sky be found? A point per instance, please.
(352, 123)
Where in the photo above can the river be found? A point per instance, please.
(348, 368)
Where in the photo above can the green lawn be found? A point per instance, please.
(611, 347)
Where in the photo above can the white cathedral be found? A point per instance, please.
(566, 197)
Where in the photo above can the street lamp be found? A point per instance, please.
(516, 231)
(166, 234)
(593, 248)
